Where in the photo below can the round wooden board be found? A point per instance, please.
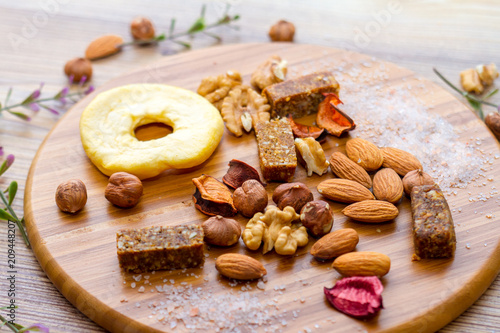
(78, 252)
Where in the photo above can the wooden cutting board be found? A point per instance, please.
(78, 252)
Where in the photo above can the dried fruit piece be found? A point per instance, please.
(344, 190)
(303, 131)
(317, 217)
(401, 161)
(371, 211)
(312, 156)
(250, 198)
(365, 263)
(216, 88)
(238, 173)
(272, 71)
(357, 296)
(335, 244)
(103, 46)
(387, 185)
(364, 153)
(416, 178)
(221, 231)
(239, 266)
(295, 195)
(343, 167)
(213, 197)
(331, 118)
(242, 104)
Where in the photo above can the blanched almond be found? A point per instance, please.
(387, 185)
(371, 211)
(364, 153)
(344, 190)
(343, 167)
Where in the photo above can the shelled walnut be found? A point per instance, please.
(272, 71)
(216, 88)
(311, 155)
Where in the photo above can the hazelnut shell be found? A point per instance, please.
(221, 231)
(71, 196)
(317, 217)
(123, 190)
(250, 198)
(295, 195)
(78, 68)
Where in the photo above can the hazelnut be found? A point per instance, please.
(295, 195)
(250, 198)
(221, 231)
(416, 178)
(78, 68)
(492, 120)
(141, 28)
(123, 190)
(317, 217)
(71, 196)
(283, 31)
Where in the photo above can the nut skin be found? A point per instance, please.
(124, 190)
(71, 196)
(282, 31)
(78, 68)
(416, 178)
(221, 231)
(295, 195)
(142, 28)
(317, 217)
(250, 198)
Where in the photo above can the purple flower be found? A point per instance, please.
(1, 151)
(54, 111)
(82, 80)
(10, 160)
(71, 79)
(89, 90)
(34, 107)
(35, 94)
(36, 328)
(64, 91)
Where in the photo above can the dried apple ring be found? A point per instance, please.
(108, 123)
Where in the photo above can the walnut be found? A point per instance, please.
(216, 88)
(272, 71)
(311, 155)
(242, 103)
(487, 73)
(471, 81)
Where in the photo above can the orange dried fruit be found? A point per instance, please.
(303, 131)
(331, 118)
(213, 197)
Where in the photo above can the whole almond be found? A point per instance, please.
(239, 266)
(344, 190)
(387, 185)
(364, 153)
(103, 46)
(416, 178)
(362, 264)
(371, 211)
(343, 167)
(335, 244)
(401, 161)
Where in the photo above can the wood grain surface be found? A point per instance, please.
(78, 251)
(449, 35)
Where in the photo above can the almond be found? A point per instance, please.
(103, 46)
(344, 190)
(335, 244)
(401, 161)
(364, 153)
(387, 185)
(343, 167)
(239, 266)
(362, 264)
(371, 211)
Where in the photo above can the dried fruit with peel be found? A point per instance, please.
(344, 190)
(250, 198)
(303, 131)
(213, 197)
(357, 296)
(282, 31)
(272, 71)
(364, 153)
(387, 185)
(335, 244)
(317, 217)
(221, 231)
(371, 211)
(312, 156)
(400, 161)
(239, 266)
(416, 178)
(71, 196)
(103, 46)
(295, 195)
(238, 173)
(123, 190)
(331, 118)
(365, 263)
(344, 168)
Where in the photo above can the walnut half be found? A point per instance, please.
(311, 155)
(272, 71)
(216, 88)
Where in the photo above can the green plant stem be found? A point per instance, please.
(36, 101)
(18, 222)
(9, 325)
(463, 93)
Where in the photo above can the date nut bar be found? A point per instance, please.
(433, 230)
(300, 96)
(276, 150)
(158, 247)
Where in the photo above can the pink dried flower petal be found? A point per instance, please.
(357, 296)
